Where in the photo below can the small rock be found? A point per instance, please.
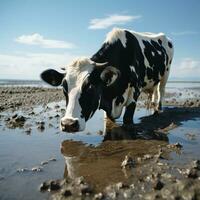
(158, 185)
(32, 113)
(112, 194)
(52, 159)
(127, 162)
(40, 122)
(41, 127)
(147, 157)
(196, 164)
(7, 119)
(98, 196)
(44, 186)
(176, 145)
(85, 189)
(28, 131)
(36, 169)
(121, 185)
(79, 180)
(20, 118)
(67, 193)
(56, 106)
(159, 155)
(44, 163)
(192, 173)
(22, 170)
(14, 116)
(128, 194)
(54, 185)
(100, 132)
(62, 110)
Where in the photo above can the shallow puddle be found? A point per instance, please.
(96, 153)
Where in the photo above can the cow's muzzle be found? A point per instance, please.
(69, 125)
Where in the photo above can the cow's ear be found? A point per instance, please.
(110, 75)
(52, 77)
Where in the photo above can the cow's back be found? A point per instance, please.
(157, 51)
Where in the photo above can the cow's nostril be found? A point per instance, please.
(75, 124)
(69, 125)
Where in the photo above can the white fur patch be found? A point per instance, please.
(132, 68)
(77, 71)
(116, 34)
(146, 36)
(117, 109)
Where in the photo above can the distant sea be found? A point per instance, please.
(30, 83)
(39, 83)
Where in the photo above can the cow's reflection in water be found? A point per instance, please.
(101, 165)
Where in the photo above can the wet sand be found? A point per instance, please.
(25, 97)
(159, 159)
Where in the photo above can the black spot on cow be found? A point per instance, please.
(52, 77)
(167, 69)
(157, 62)
(119, 100)
(170, 44)
(65, 90)
(89, 99)
(144, 84)
(160, 41)
(170, 62)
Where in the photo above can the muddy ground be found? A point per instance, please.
(22, 97)
(143, 163)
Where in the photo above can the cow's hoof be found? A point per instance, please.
(128, 127)
(157, 112)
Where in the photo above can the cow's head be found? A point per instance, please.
(83, 83)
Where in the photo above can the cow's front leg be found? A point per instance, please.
(128, 116)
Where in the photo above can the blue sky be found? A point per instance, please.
(40, 34)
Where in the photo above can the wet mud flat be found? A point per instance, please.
(159, 159)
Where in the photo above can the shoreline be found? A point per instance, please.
(13, 98)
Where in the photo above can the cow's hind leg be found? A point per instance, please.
(162, 86)
(156, 99)
(162, 94)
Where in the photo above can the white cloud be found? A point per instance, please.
(30, 65)
(186, 68)
(37, 39)
(102, 23)
(182, 33)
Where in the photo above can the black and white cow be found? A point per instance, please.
(127, 64)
